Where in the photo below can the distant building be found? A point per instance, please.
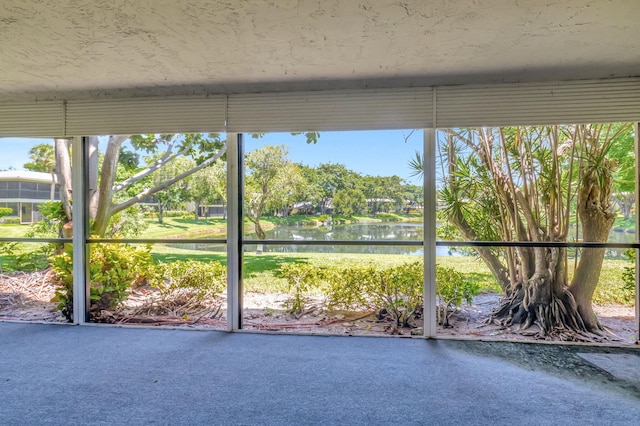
(22, 191)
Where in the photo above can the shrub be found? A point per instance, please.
(203, 280)
(396, 291)
(53, 218)
(5, 211)
(178, 213)
(387, 217)
(11, 220)
(188, 287)
(113, 269)
(629, 279)
(452, 289)
(301, 277)
(323, 218)
(14, 258)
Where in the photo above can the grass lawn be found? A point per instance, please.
(13, 231)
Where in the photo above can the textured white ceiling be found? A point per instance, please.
(56, 48)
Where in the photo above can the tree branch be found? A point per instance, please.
(167, 157)
(148, 192)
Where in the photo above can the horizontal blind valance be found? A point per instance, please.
(367, 109)
(587, 101)
(32, 119)
(145, 115)
(571, 102)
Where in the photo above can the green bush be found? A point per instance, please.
(301, 278)
(11, 220)
(53, 218)
(15, 259)
(5, 211)
(183, 214)
(396, 291)
(201, 280)
(629, 280)
(323, 218)
(387, 217)
(113, 269)
(452, 288)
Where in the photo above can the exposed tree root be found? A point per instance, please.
(557, 319)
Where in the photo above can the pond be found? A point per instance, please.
(363, 232)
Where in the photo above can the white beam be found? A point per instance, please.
(429, 182)
(81, 283)
(235, 153)
(636, 129)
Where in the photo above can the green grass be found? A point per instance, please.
(176, 227)
(13, 231)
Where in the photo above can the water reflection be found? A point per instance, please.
(363, 232)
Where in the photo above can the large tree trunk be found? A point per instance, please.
(597, 220)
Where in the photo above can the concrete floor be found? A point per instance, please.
(55, 374)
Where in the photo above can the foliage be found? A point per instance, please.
(16, 259)
(202, 280)
(129, 223)
(396, 291)
(113, 269)
(53, 218)
(271, 183)
(388, 217)
(301, 278)
(5, 211)
(11, 221)
(349, 202)
(629, 279)
(42, 158)
(452, 288)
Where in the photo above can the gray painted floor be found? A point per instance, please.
(106, 375)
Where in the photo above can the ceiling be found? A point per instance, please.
(53, 49)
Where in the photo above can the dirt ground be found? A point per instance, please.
(28, 297)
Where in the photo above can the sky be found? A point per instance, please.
(375, 153)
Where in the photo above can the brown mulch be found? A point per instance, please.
(28, 297)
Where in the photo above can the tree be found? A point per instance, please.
(383, 192)
(43, 159)
(519, 184)
(107, 195)
(330, 178)
(271, 178)
(349, 202)
(624, 187)
(174, 194)
(207, 185)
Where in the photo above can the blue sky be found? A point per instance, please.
(376, 153)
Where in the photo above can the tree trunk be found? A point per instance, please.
(597, 220)
(259, 231)
(160, 213)
(63, 171)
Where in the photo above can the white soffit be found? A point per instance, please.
(118, 48)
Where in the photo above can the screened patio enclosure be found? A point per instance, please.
(425, 108)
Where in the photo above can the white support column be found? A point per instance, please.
(636, 129)
(235, 154)
(81, 284)
(429, 168)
